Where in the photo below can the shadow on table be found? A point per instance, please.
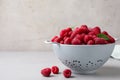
(108, 71)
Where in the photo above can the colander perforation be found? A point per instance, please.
(77, 66)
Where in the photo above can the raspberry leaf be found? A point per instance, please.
(103, 36)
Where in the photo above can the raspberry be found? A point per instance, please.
(69, 33)
(76, 30)
(61, 42)
(87, 38)
(67, 41)
(55, 70)
(96, 30)
(67, 73)
(94, 36)
(90, 42)
(54, 38)
(84, 26)
(112, 40)
(46, 72)
(83, 29)
(83, 35)
(57, 40)
(76, 41)
(79, 36)
(68, 29)
(100, 41)
(73, 34)
(105, 32)
(63, 33)
(65, 37)
(91, 33)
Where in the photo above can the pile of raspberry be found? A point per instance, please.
(83, 35)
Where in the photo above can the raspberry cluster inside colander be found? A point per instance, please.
(83, 35)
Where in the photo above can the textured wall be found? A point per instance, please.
(25, 24)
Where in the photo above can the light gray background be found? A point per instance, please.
(25, 24)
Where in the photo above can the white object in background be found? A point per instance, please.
(116, 52)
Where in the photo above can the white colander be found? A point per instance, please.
(83, 59)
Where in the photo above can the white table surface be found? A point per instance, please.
(27, 66)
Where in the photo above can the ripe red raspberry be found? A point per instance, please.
(67, 73)
(69, 33)
(111, 39)
(94, 36)
(67, 40)
(79, 36)
(83, 26)
(90, 42)
(73, 34)
(53, 39)
(105, 32)
(68, 29)
(62, 42)
(91, 33)
(87, 38)
(57, 40)
(76, 30)
(100, 41)
(63, 33)
(83, 35)
(76, 41)
(83, 29)
(46, 72)
(96, 30)
(55, 69)
(65, 37)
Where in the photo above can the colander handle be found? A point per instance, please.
(49, 42)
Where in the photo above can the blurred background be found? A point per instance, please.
(25, 24)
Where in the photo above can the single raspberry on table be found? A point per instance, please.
(55, 69)
(46, 72)
(67, 73)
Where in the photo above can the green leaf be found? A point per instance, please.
(103, 36)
